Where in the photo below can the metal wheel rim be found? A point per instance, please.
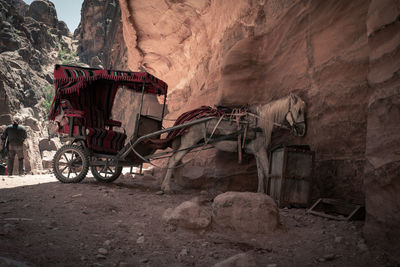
(105, 171)
(70, 164)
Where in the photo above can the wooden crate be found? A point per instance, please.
(290, 176)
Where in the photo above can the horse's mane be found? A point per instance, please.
(272, 112)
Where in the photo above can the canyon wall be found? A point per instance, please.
(382, 169)
(100, 35)
(341, 57)
(31, 41)
(251, 52)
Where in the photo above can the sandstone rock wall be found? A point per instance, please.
(382, 168)
(216, 52)
(100, 35)
(31, 39)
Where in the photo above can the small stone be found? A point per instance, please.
(338, 239)
(184, 252)
(102, 251)
(362, 246)
(144, 260)
(100, 256)
(329, 257)
(107, 243)
(140, 240)
(140, 234)
(160, 193)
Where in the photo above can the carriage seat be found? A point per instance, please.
(104, 141)
(99, 133)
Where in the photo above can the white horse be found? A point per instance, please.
(288, 110)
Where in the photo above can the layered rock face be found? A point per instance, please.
(252, 52)
(28, 51)
(382, 169)
(341, 57)
(100, 35)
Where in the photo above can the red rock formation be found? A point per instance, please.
(100, 34)
(382, 169)
(341, 56)
(216, 52)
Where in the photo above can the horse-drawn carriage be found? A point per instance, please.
(82, 108)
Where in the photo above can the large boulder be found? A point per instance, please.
(238, 260)
(43, 11)
(189, 214)
(246, 212)
(48, 144)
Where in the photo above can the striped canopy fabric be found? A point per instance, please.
(90, 87)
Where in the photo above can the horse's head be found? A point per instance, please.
(296, 115)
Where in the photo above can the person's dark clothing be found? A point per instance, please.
(16, 135)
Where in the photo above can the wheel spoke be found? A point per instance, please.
(75, 172)
(64, 169)
(111, 171)
(65, 156)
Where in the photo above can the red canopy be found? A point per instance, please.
(90, 86)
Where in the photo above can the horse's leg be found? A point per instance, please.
(257, 147)
(260, 172)
(172, 162)
(193, 135)
(263, 169)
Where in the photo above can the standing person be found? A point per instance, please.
(16, 135)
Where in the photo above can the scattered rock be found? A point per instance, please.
(338, 239)
(184, 252)
(107, 243)
(102, 251)
(246, 212)
(140, 240)
(100, 256)
(362, 246)
(239, 260)
(327, 257)
(188, 215)
(144, 260)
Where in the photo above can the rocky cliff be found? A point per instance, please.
(32, 39)
(341, 57)
(100, 35)
(382, 169)
(214, 52)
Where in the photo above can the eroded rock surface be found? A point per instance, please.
(246, 212)
(213, 52)
(32, 40)
(189, 214)
(100, 35)
(382, 169)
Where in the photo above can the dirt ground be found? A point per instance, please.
(46, 223)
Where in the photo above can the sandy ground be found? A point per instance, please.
(46, 223)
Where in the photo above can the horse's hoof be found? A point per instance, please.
(168, 191)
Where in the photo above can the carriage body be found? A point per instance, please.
(82, 108)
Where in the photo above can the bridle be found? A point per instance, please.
(289, 118)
